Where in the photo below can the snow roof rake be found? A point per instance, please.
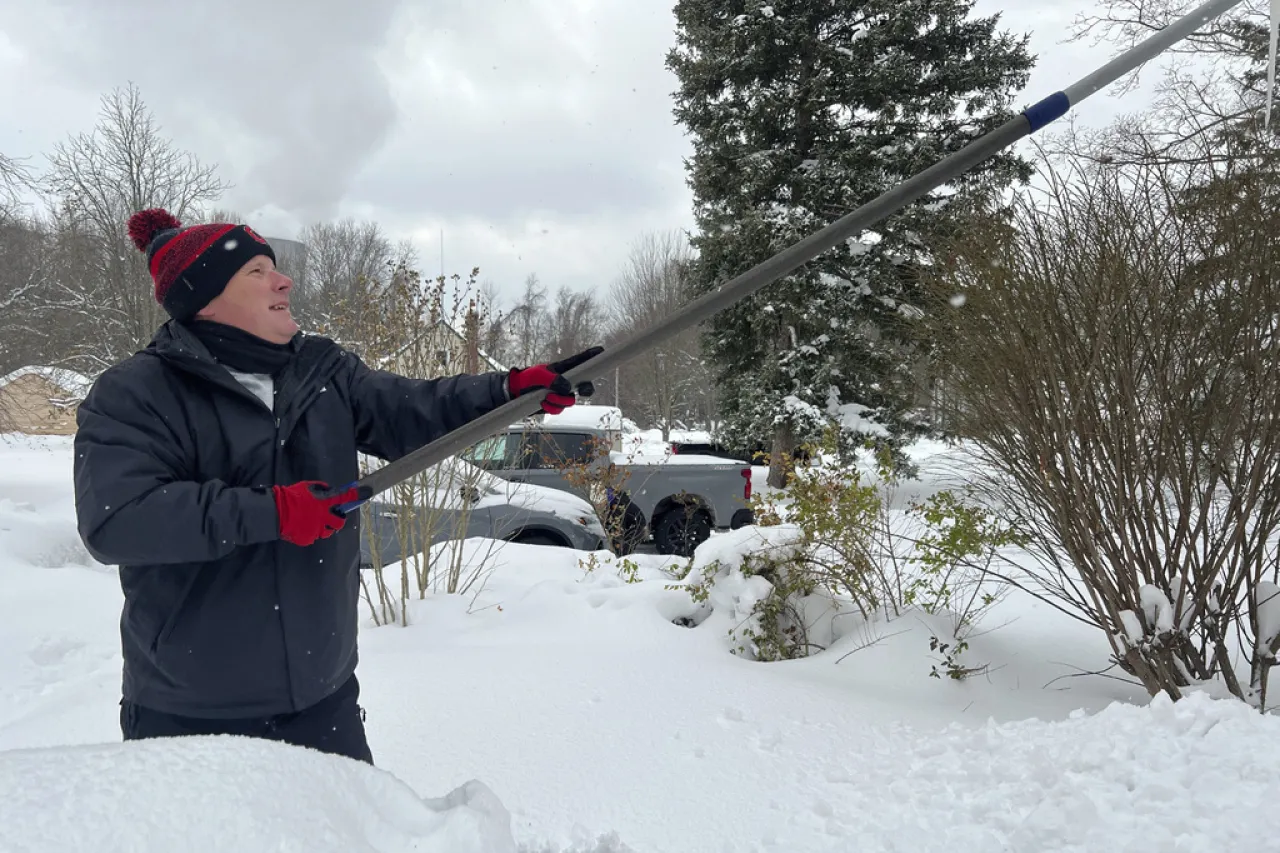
(790, 259)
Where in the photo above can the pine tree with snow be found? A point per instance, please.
(800, 111)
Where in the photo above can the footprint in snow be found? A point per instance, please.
(729, 716)
(54, 651)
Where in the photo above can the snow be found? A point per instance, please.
(645, 443)
(76, 385)
(854, 418)
(1132, 626)
(647, 455)
(588, 416)
(559, 709)
(1157, 608)
(268, 796)
(691, 436)
(1268, 596)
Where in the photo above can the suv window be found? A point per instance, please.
(490, 454)
(567, 448)
(537, 449)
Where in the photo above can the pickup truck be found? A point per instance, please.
(675, 500)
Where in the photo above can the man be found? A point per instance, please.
(208, 467)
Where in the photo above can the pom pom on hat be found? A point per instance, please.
(146, 224)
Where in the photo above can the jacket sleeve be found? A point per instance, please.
(134, 501)
(395, 415)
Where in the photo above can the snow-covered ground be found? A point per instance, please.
(562, 710)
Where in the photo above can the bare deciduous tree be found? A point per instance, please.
(527, 325)
(1115, 364)
(577, 322)
(23, 270)
(493, 334)
(671, 384)
(221, 214)
(99, 179)
(341, 262)
(15, 176)
(1210, 102)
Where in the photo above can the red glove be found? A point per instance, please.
(560, 394)
(307, 512)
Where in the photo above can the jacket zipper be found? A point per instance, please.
(276, 473)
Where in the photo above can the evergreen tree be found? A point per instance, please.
(801, 111)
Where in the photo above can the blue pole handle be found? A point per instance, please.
(364, 494)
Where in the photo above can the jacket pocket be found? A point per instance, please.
(171, 622)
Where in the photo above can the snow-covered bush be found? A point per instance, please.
(439, 500)
(828, 554)
(625, 568)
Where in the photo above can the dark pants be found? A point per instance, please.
(334, 725)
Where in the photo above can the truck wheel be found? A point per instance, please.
(624, 522)
(681, 530)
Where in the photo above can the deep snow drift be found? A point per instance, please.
(559, 709)
(230, 794)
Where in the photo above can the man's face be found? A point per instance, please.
(256, 300)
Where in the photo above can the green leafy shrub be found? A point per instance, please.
(845, 552)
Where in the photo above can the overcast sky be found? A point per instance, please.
(538, 134)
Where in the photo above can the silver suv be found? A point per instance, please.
(456, 500)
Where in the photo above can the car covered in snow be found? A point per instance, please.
(456, 500)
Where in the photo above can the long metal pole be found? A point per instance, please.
(788, 260)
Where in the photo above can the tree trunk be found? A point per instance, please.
(780, 460)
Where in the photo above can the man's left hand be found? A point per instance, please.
(560, 394)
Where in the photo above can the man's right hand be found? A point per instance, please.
(307, 511)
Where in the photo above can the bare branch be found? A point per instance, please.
(1114, 365)
(96, 181)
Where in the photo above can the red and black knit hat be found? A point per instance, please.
(191, 266)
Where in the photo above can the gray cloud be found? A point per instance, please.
(537, 134)
(287, 96)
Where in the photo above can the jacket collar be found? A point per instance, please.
(315, 362)
(175, 341)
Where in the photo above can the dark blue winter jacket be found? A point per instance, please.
(173, 463)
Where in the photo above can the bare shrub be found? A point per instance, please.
(1113, 363)
(407, 326)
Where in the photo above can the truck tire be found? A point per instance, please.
(625, 525)
(681, 530)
